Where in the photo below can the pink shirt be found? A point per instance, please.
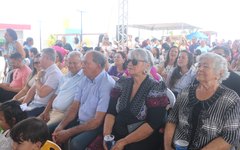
(60, 49)
(20, 76)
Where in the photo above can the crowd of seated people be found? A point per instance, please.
(76, 97)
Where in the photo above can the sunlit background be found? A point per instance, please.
(101, 16)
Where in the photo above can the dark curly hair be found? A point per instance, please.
(12, 112)
(30, 129)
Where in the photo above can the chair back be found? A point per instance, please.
(171, 97)
(49, 145)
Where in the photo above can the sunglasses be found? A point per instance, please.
(36, 62)
(134, 61)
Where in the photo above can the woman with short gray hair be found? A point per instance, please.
(206, 115)
(220, 65)
(137, 108)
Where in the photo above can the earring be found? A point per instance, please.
(145, 72)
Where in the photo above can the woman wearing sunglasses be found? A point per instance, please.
(137, 108)
(37, 68)
(153, 70)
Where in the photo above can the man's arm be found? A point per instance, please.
(41, 89)
(2, 85)
(70, 115)
(8, 88)
(45, 114)
(90, 125)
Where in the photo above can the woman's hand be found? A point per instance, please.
(119, 145)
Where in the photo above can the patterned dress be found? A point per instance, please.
(200, 122)
(147, 106)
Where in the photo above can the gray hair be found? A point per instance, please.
(150, 58)
(98, 58)
(141, 54)
(50, 52)
(75, 53)
(220, 64)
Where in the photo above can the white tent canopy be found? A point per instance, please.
(164, 26)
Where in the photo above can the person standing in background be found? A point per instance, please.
(11, 46)
(66, 45)
(28, 43)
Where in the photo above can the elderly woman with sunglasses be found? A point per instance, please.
(153, 70)
(137, 108)
(206, 114)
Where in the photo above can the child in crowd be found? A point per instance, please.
(10, 114)
(30, 133)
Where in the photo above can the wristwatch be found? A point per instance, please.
(37, 79)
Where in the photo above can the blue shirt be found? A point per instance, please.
(66, 91)
(93, 95)
(204, 49)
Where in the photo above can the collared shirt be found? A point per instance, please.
(51, 78)
(66, 91)
(93, 95)
(219, 117)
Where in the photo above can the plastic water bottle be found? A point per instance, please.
(181, 145)
(109, 140)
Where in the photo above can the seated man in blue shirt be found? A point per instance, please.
(63, 97)
(90, 104)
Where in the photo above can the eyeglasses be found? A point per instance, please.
(36, 62)
(134, 61)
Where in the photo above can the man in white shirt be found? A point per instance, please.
(63, 97)
(46, 83)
